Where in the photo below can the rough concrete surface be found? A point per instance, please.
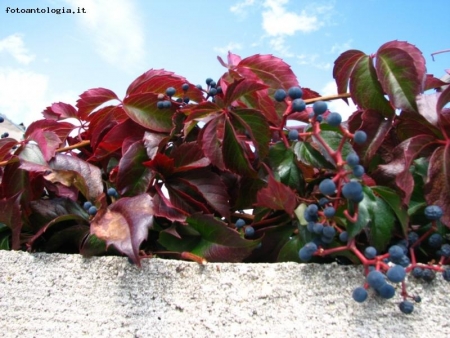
(58, 295)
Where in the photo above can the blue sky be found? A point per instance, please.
(46, 58)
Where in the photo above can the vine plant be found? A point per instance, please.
(251, 168)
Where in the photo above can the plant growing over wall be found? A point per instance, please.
(170, 169)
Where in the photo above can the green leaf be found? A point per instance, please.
(257, 127)
(289, 251)
(142, 109)
(333, 137)
(365, 89)
(343, 67)
(392, 198)
(216, 242)
(283, 164)
(398, 77)
(375, 217)
(310, 156)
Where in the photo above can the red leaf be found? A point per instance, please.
(200, 111)
(61, 129)
(6, 145)
(241, 88)
(161, 164)
(432, 82)
(101, 121)
(189, 156)
(210, 140)
(444, 114)
(60, 111)
(157, 81)
(271, 70)
(93, 98)
(125, 224)
(10, 215)
(277, 196)
(164, 208)
(47, 141)
(343, 67)
(437, 187)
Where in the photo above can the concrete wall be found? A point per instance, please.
(66, 296)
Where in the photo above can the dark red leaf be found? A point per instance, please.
(210, 140)
(10, 215)
(125, 223)
(432, 82)
(185, 196)
(343, 67)
(200, 111)
(164, 208)
(189, 156)
(71, 170)
(6, 145)
(93, 98)
(162, 164)
(59, 111)
(133, 178)
(115, 138)
(277, 196)
(410, 124)
(102, 120)
(61, 129)
(211, 187)
(444, 114)
(437, 187)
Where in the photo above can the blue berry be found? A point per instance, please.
(396, 274)
(208, 81)
(240, 223)
(212, 92)
(370, 252)
(185, 87)
(112, 192)
(446, 274)
(360, 137)
(417, 299)
(428, 275)
(352, 190)
(343, 236)
(5, 134)
(387, 291)
(406, 307)
(417, 272)
(319, 118)
(358, 171)
(199, 86)
(329, 232)
(280, 95)
(395, 252)
(295, 93)
(413, 237)
(2, 119)
(435, 240)
(312, 209)
(433, 212)
(307, 251)
(298, 105)
(170, 91)
(318, 228)
(220, 91)
(334, 119)
(319, 107)
(160, 105)
(327, 187)
(92, 210)
(445, 250)
(87, 205)
(167, 104)
(323, 201)
(329, 212)
(249, 232)
(293, 135)
(213, 84)
(375, 279)
(310, 226)
(359, 294)
(352, 159)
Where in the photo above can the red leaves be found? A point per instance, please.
(11, 216)
(93, 98)
(125, 224)
(276, 196)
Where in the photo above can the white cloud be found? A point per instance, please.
(278, 21)
(232, 47)
(339, 48)
(116, 30)
(312, 60)
(13, 44)
(240, 7)
(338, 106)
(279, 45)
(25, 94)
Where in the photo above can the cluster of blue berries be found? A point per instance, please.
(249, 231)
(92, 209)
(170, 92)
